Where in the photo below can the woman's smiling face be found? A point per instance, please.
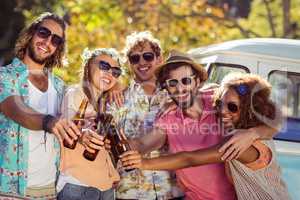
(231, 105)
(102, 80)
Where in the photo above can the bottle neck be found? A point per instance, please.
(82, 108)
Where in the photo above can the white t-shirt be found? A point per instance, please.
(42, 156)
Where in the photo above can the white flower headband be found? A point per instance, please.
(88, 54)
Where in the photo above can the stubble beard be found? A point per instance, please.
(34, 57)
(187, 104)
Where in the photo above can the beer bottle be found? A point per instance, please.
(103, 121)
(119, 144)
(78, 120)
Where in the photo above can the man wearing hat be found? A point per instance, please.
(193, 125)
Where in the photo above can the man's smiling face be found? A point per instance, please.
(40, 49)
(145, 62)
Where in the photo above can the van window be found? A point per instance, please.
(286, 92)
(217, 71)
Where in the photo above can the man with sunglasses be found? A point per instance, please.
(30, 97)
(192, 125)
(142, 102)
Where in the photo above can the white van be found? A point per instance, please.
(277, 60)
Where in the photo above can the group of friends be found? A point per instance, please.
(189, 140)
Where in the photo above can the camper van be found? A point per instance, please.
(277, 60)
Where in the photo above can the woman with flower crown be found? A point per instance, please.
(242, 101)
(81, 178)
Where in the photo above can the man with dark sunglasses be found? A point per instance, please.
(192, 125)
(142, 102)
(30, 98)
(44, 32)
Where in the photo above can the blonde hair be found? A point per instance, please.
(87, 56)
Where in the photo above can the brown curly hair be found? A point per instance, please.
(256, 106)
(141, 44)
(139, 40)
(27, 33)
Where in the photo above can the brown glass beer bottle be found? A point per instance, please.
(78, 120)
(103, 122)
(119, 144)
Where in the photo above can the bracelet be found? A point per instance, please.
(46, 121)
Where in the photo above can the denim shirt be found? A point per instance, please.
(14, 147)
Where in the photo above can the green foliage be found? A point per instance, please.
(179, 24)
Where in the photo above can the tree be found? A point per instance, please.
(11, 23)
(270, 13)
(13, 16)
(179, 24)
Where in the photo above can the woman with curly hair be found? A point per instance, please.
(242, 101)
(81, 177)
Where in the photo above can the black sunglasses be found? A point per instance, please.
(231, 106)
(45, 33)
(174, 82)
(135, 58)
(105, 66)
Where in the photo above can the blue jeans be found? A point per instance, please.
(77, 192)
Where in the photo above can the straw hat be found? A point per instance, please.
(178, 57)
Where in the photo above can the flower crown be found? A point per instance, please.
(242, 89)
(88, 54)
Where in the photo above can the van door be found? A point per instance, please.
(285, 81)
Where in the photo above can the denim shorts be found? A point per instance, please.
(77, 192)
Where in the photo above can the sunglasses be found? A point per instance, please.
(105, 66)
(231, 106)
(45, 33)
(184, 81)
(135, 58)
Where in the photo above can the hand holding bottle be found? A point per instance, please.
(93, 142)
(97, 137)
(78, 120)
(132, 160)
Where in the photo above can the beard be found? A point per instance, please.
(34, 57)
(184, 104)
